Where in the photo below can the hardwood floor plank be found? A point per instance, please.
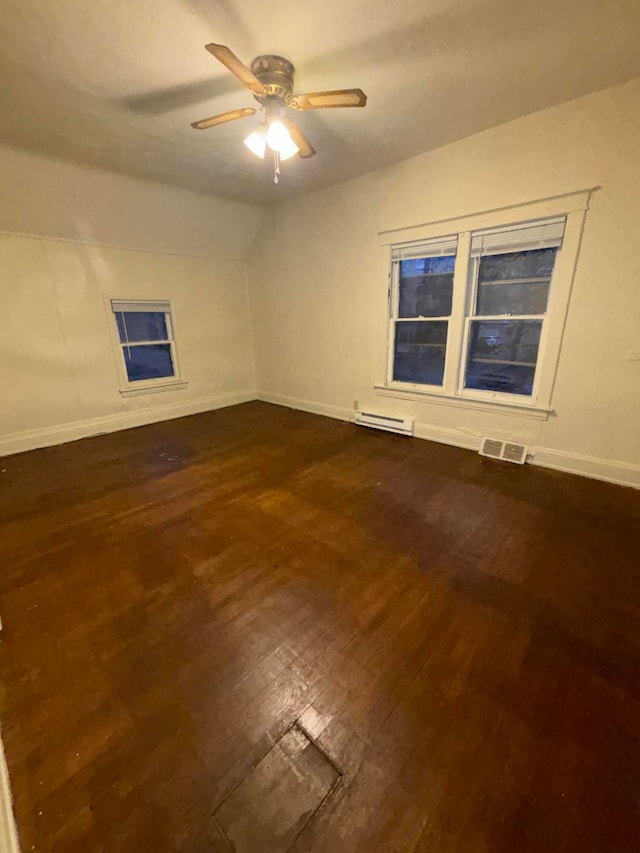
(461, 637)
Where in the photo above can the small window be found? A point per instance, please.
(146, 343)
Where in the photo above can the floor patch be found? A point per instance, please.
(275, 801)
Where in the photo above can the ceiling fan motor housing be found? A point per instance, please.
(276, 75)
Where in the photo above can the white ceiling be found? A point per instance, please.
(115, 83)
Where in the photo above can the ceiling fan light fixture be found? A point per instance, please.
(280, 141)
(257, 141)
(270, 80)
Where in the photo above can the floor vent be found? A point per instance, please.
(505, 450)
(403, 426)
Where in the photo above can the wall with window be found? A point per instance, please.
(72, 240)
(318, 283)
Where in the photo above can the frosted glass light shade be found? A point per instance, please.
(278, 139)
(257, 141)
(288, 149)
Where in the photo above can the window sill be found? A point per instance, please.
(539, 413)
(173, 385)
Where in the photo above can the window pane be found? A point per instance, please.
(536, 263)
(141, 326)
(419, 351)
(426, 287)
(510, 283)
(520, 298)
(503, 355)
(148, 362)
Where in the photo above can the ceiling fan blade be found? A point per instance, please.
(327, 100)
(232, 115)
(305, 148)
(228, 58)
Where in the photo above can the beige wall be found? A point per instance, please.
(318, 299)
(319, 302)
(57, 368)
(39, 195)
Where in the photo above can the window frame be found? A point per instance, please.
(131, 388)
(573, 207)
(471, 315)
(394, 318)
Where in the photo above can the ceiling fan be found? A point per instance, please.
(270, 79)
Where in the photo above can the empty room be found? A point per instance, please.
(320, 426)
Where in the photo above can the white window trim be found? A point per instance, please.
(143, 386)
(574, 206)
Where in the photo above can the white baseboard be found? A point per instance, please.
(456, 437)
(8, 832)
(610, 470)
(314, 408)
(31, 439)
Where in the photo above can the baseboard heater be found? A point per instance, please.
(401, 426)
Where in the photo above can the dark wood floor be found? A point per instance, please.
(457, 642)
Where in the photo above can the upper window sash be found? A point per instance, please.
(156, 332)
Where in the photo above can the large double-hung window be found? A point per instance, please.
(478, 314)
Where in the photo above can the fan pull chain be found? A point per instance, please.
(276, 167)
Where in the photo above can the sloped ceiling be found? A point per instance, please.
(114, 84)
